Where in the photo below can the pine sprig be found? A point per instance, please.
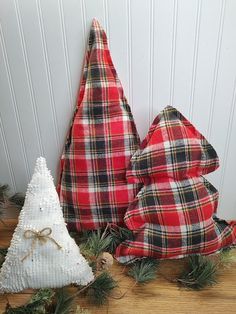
(4, 189)
(201, 272)
(97, 242)
(3, 253)
(17, 199)
(144, 270)
(5, 199)
(99, 291)
(227, 258)
(118, 235)
(64, 304)
(37, 305)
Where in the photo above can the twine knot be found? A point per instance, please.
(42, 236)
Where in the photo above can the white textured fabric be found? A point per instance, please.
(43, 265)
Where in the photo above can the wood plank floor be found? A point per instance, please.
(159, 296)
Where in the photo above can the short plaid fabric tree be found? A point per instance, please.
(173, 215)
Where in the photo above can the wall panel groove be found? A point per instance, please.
(195, 58)
(29, 78)
(14, 101)
(48, 71)
(216, 68)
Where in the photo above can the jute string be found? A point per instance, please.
(42, 236)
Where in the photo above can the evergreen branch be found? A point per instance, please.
(227, 257)
(144, 270)
(4, 188)
(18, 199)
(64, 304)
(96, 243)
(118, 235)
(37, 304)
(100, 289)
(200, 274)
(3, 253)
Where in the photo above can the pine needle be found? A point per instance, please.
(96, 243)
(99, 291)
(64, 304)
(118, 235)
(144, 270)
(4, 188)
(37, 305)
(200, 274)
(18, 199)
(3, 253)
(226, 258)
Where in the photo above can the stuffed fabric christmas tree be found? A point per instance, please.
(173, 215)
(42, 254)
(93, 189)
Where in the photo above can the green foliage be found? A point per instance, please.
(98, 292)
(200, 273)
(227, 257)
(4, 188)
(3, 253)
(118, 235)
(18, 199)
(64, 304)
(37, 305)
(144, 270)
(97, 242)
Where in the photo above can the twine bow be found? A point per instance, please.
(42, 236)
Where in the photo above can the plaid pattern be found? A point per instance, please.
(173, 148)
(173, 215)
(173, 204)
(93, 188)
(162, 242)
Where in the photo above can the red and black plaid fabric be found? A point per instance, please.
(173, 148)
(93, 188)
(171, 203)
(173, 215)
(163, 243)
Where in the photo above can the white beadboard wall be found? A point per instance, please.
(177, 52)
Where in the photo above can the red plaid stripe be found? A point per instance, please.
(173, 215)
(171, 203)
(173, 148)
(93, 188)
(165, 243)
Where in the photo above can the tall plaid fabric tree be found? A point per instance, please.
(93, 189)
(173, 215)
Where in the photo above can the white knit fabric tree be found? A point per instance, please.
(42, 254)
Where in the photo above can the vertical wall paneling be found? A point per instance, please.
(140, 29)
(34, 49)
(172, 52)
(118, 40)
(75, 41)
(15, 62)
(223, 106)
(7, 174)
(185, 53)
(10, 128)
(163, 31)
(207, 46)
